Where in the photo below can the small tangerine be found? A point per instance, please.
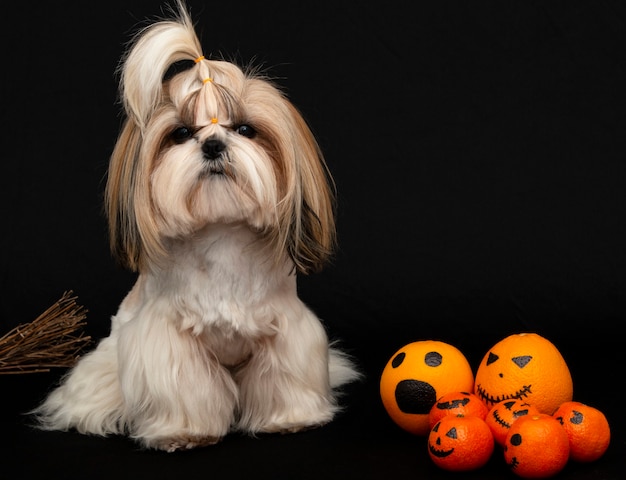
(587, 428)
(502, 415)
(457, 403)
(460, 443)
(536, 446)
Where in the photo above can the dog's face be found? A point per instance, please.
(214, 152)
(212, 144)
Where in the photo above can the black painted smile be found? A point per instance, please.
(440, 453)
(519, 395)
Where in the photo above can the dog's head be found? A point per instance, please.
(206, 142)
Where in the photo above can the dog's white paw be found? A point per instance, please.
(182, 442)
(297, 421)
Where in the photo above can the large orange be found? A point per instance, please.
(460, 443)
(536, 446)
(416, 376)
(587, 428)
(524, 366)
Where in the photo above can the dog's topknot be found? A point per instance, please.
(151, 54)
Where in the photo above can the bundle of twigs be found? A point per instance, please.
(54, 339)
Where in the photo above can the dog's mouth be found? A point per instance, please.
(217, 168)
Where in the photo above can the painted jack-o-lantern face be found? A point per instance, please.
(524, 367)
(503, 414)
(457, 403)
(536, 446)
(587, 428)
(416, 376)
(442, 441)
(460, 443)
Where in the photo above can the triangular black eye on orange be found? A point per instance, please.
(451, 433)
(509, 405)
(522, 361)
(491, 358)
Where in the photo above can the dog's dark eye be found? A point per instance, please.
(181, 134)
(246, 131)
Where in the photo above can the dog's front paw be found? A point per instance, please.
(296, 421)
(297, 428)
(182, 442)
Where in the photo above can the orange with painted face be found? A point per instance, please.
(460, 443)
(587, 428)
(503, 414)
(416, 376)
(524, 366)
(536, 446)
(457, 403)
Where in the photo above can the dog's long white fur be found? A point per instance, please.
(212, 337)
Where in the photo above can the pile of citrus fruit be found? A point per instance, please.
(520, 403)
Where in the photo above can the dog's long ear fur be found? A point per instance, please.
(149, 55)
(311, 238)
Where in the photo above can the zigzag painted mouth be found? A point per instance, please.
(514, 463)
(440, 453)
(500, 420)
(519, 395)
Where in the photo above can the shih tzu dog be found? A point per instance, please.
(217, 195)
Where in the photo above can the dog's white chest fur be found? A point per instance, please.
(218, 287)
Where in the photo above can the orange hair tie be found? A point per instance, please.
(199, 59)
(207, 80)
(214, 120)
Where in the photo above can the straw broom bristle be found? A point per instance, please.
(54, 339)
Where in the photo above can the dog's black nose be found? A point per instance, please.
(212, 149)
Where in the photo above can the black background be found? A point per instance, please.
(479, 154)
